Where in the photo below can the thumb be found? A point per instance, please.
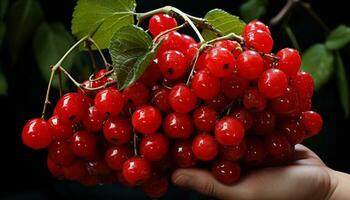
(201, 181)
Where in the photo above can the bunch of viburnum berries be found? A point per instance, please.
(243, 107)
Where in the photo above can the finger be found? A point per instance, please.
(303, 153)
(201, 181)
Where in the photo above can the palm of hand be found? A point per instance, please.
(305, 178)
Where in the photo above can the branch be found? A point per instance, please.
(285, 11)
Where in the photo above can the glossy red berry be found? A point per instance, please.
(205, 147)
(116, 156)
(294, 131)
(182, 99)
(183, 155)
(204, 118)
(117, 130)
(244, 116)
(154, 147)
(191, 53)
(172, 64)
(71, 108)
(256, 152)
(273, 83)
(152, 74)
(259, 40)
(146, 120)
(160, 23)
(277, 145)
(250, 65)
(37, 134)
(234, 86)
(218, 103)
(109, 102)
(160, 99)
(60, 130)
(256, 25)
(178, 125)
(75, 171)
(156, 186)
(303, 83)
(253, 100)
(229, 131)
(83, 144)
(289, 61)
(136, 170)
(233, 46)
(235, 152)
(204, 85)
(226, 172)
(60, 153)
(287, 103)
(188, 39)
(220, 62)
(312, 121)
(264, 122)
(93, 120)
(201, 62)
(172, 41)
(136, 95)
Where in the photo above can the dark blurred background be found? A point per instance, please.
(23, 172)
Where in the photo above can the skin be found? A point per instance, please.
(306, 177)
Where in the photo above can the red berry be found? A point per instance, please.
(182, 99)
(256, 152)
(218, 103)
(37, 134)
(154, 147)
(220, 62)
(146, 120)
(205, 147)
(250, 65)
(117, 130)
(60, 130)
(235, 152)
(188, 39)
(289, 61)
(287, 103)
(277, 145)
(101, 78)
(55, 169)
(86, 84)
(201, 62)
(152, 74)
(229, 131)
(204, 85)
(76, 171)
(303, 83)
(61, 153)
(155, 187)
(191, 52)
(234, 86)
(172, 41)
(204, 118)
(256, 25)
(160, 23)
(93, 121)
(259, 40)
(230, 45)
(244, 116)
(83, 144)
(160, 99)
(312, 121)
(116, 156)
(253, 100)
(178, 125)
(109, 102)
(98, 168)
(136, 95)
(264, 122)
(172, 64)
(273, 83)
(226, 172)
(136, 170)
(294, 131)
(183, 155)
(71, 108)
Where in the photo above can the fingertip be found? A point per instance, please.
(180, 177)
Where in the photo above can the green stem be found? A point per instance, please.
(60, 85)
(99, 50)
(291, 36)
(169, 30)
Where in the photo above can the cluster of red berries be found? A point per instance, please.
(244, 107)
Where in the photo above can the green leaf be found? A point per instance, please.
(318, 61)
(3, 8)
(2, 32)
(102, 18)
(253, 9)
(23, 18)
(131, 50)
(3, 84)
(51, 41)
(338, 38)
(343, 86)
(224, 22)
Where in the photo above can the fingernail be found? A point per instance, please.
(181, 179)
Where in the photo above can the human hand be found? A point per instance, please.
(306, 177)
